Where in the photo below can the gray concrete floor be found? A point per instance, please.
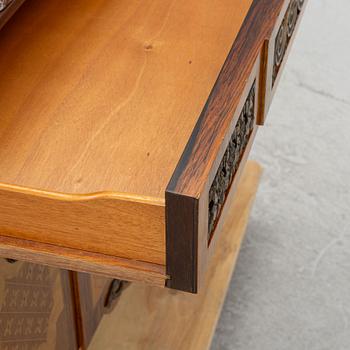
(291, 287)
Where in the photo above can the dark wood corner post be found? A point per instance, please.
(182, 241)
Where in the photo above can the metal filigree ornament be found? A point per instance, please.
(230, 161)
(4, 4)
(292, 18)
(300, 4)
(285, 34)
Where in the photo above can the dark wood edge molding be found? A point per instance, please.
(182, 221)
(77, 309)
(189, 180)
(8, 12)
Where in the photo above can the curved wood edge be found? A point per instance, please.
(106, 223)
(117, 224)
(77, 260)
(73, 197)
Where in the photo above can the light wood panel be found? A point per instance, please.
(108, 223)
(151, 318)
(103, 95)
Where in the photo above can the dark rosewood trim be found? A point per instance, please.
(186, 222)
(181, 242)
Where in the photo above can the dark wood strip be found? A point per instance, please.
(182, 218)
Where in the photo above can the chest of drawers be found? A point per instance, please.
(123, 136)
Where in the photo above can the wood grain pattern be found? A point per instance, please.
(9, 11)
(95, 114)
(98, 103)
(107, 223)
(104, 95)
(152, 318)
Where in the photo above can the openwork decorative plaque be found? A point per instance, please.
(284, 34)
(230, 161)
(4, 4)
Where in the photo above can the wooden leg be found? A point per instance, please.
(154, 318)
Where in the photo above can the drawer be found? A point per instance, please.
(124, 159)
(278, 46)
(36, 308)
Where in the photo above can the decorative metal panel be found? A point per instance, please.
(4, 4)
(284, 35)
(229, 164)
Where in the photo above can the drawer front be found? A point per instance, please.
(278, 46)
(36, 310)
(194, 222)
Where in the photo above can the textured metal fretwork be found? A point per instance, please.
(4, 4)
(230, 161)
(284, 34)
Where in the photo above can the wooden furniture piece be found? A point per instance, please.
(125, 127)
(47, 308)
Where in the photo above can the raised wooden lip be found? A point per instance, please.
(75, 197)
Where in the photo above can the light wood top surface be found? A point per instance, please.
(102, 95)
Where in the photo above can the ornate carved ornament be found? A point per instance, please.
(284, 35)
(4, 4)
(230, 161)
